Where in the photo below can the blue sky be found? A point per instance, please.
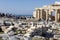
(22, 7)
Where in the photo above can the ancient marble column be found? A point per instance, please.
(56, 15)
(47, 11)
(49, 14)
(41, 13)
(38, 13)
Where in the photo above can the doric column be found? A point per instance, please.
(41, 13)
(56, 15)
(50, 13)
(38, 14)
(47, 11)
